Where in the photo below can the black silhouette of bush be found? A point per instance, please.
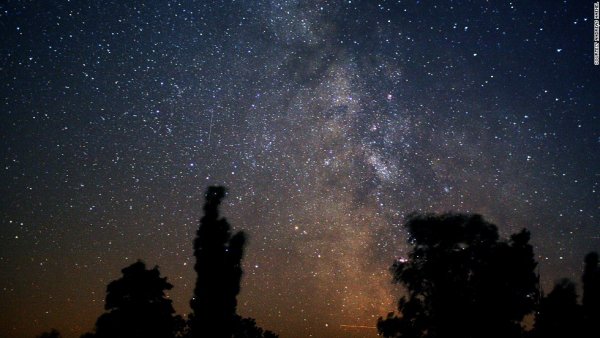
(137, 307)
(50, 334)
(247, 328)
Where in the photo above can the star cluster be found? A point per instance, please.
(329, 121)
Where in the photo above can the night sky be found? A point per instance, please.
(329, 121)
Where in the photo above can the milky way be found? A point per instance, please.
(328, 121)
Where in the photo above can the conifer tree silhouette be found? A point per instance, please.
(218, 265)
(462, 280)
(137, 307)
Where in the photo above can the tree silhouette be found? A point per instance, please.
(461, 280)
(591, 295)
(218, 264)
(137, 307)
(559, 315)
(247, 328)
(50, 334)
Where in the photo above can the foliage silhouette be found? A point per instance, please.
(462, 280)
(247, 328)
(137, 307)
(218, 265)
(559, 315)
(50, 334)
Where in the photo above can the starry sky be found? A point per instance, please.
(328, 121)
